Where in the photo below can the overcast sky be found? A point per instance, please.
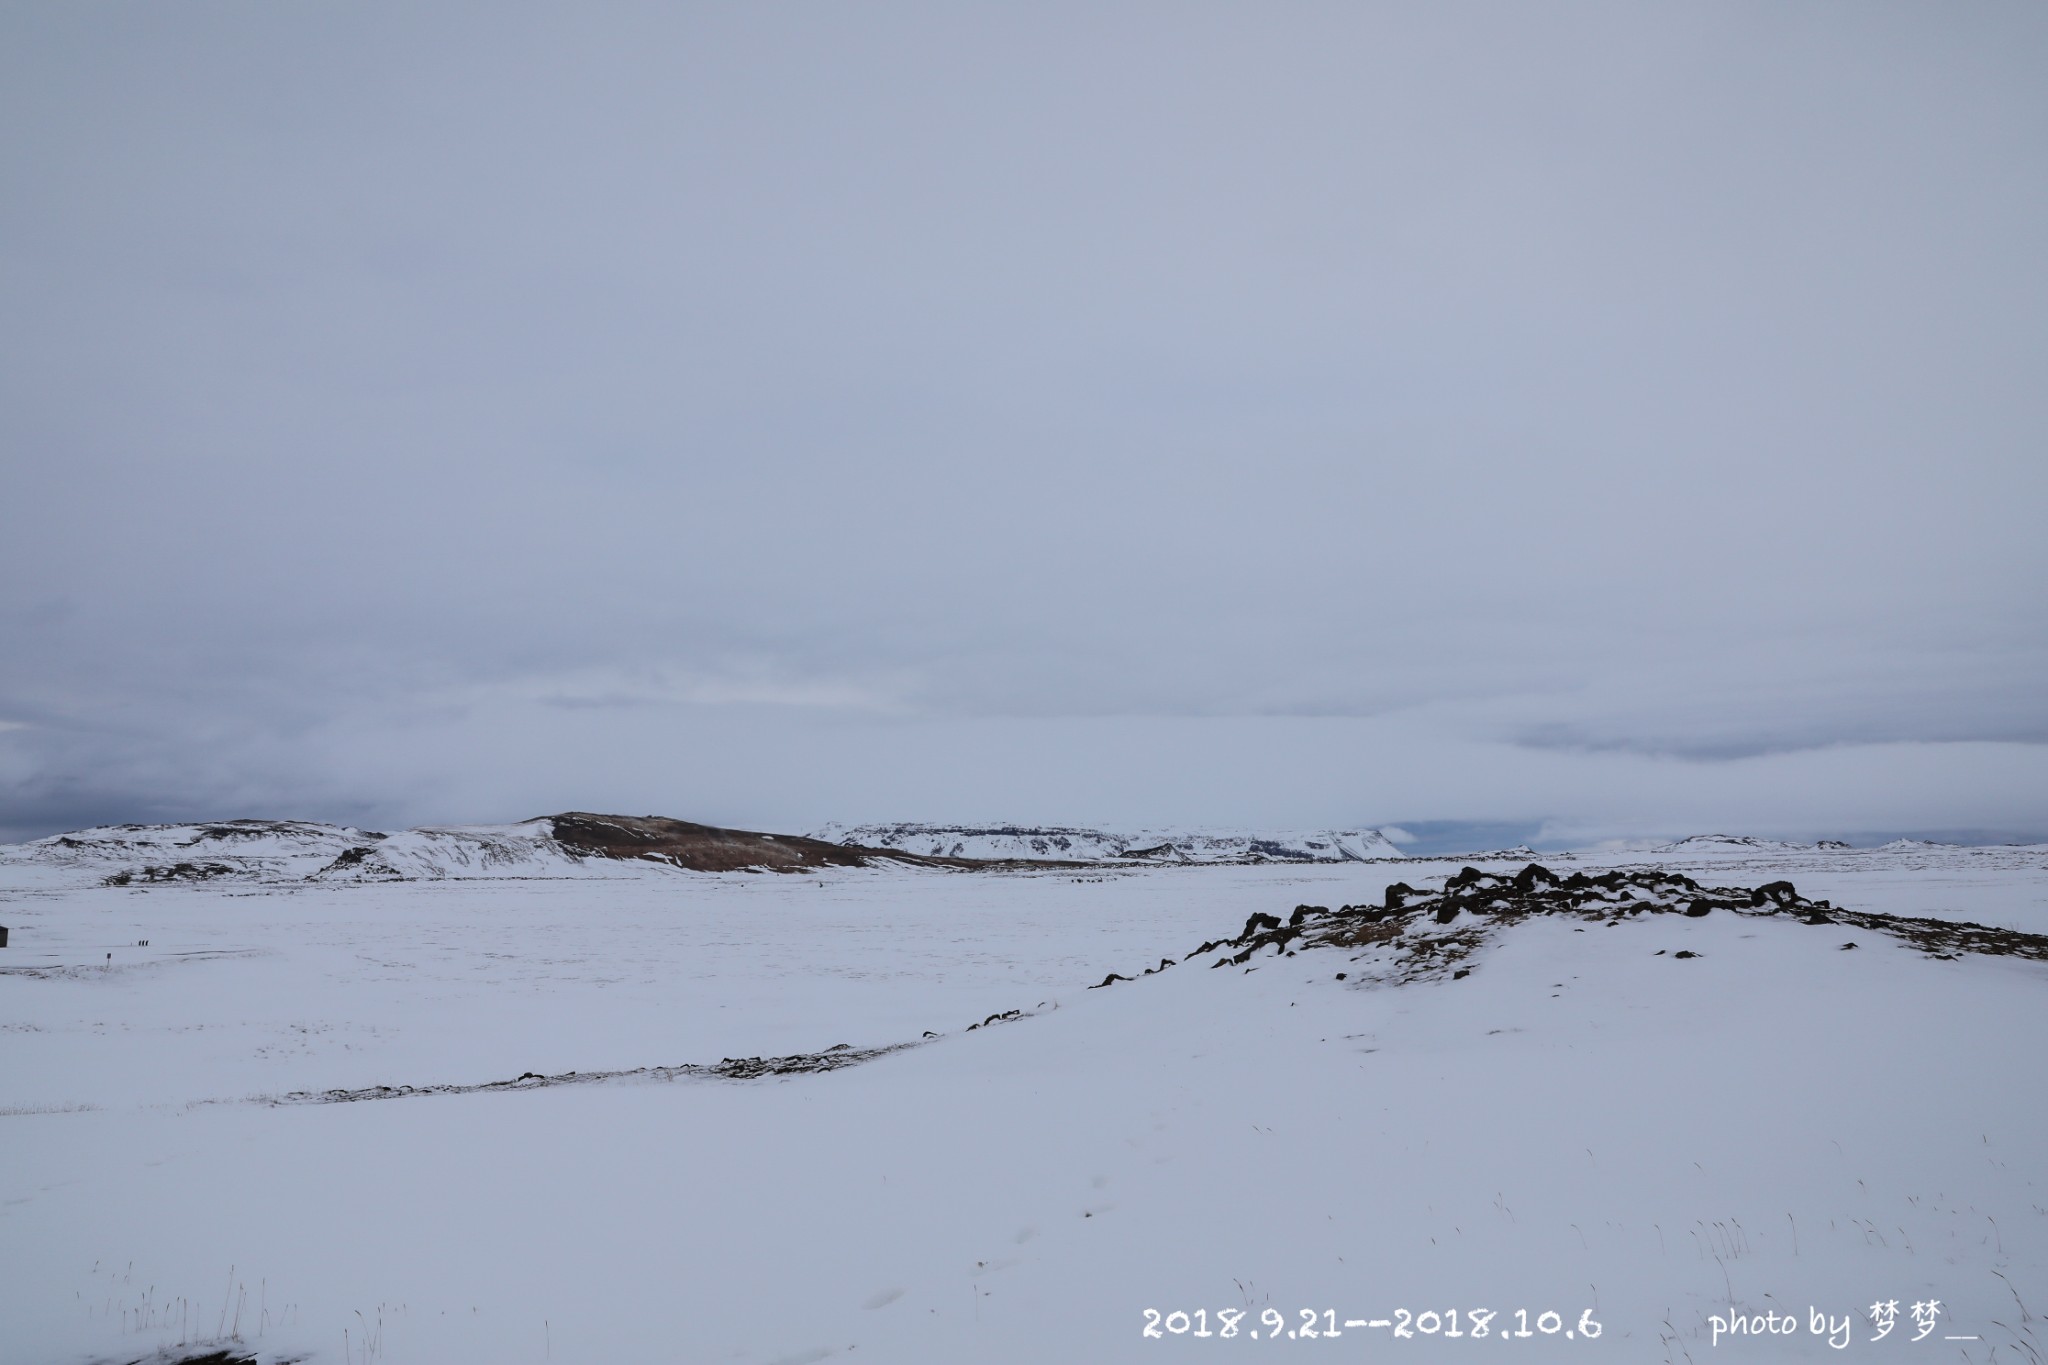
(1599, 419)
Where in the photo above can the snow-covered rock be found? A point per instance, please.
(528, 849)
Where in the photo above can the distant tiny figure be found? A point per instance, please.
(110, 957)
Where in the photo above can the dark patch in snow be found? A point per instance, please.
(96, 970)
(359, 864)
(175, 872)
(834, 1058)
(237, 1355)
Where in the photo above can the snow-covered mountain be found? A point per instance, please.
(609, 846)
(1728, 843)
(573, 844)
(300, 850)
(1029, 842)
(264, 849)
(1217, 846)
(1056, 843)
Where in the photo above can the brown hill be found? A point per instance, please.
(707, 848)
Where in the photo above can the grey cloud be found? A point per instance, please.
(1577, 383)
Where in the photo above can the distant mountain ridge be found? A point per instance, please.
(1160, 845)
(578, 844)
(573, 844)
(1729, 843)
(1749, 843)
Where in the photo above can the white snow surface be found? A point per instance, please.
(1584, 1124)
(1056, 843)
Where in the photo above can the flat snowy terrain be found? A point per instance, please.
(1556, 1115)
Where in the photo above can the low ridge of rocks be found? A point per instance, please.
(1424, 933)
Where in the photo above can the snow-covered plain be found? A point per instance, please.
(1584, 1124)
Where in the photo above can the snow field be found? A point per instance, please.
(1776, 1123)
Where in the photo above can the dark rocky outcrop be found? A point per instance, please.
(175, 872)
(1428, 932)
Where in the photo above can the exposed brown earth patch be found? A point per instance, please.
(707, 848)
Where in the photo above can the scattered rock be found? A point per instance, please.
(1410, 939)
